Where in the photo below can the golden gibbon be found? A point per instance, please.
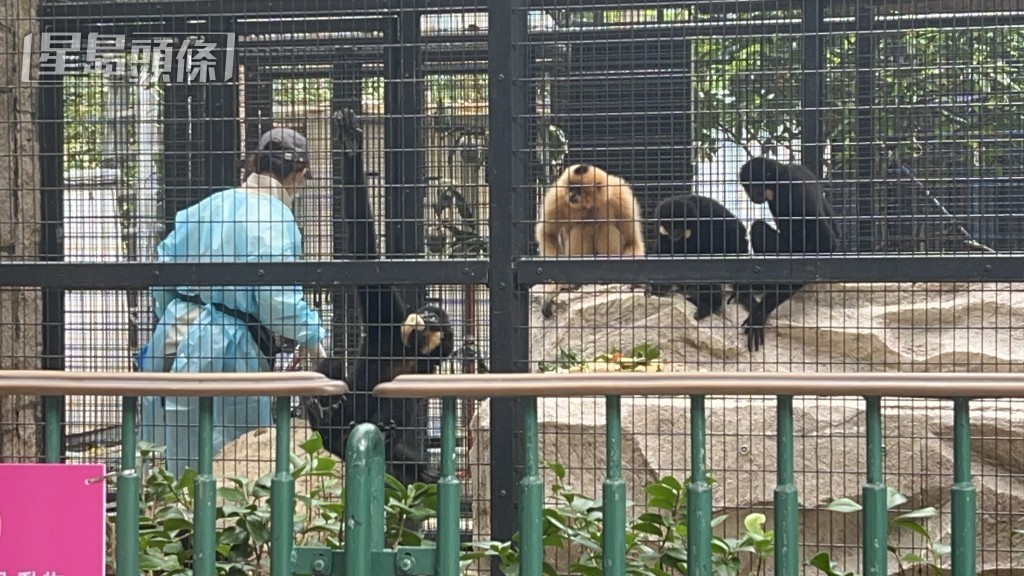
(588, 212)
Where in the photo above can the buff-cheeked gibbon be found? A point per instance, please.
(588, 212)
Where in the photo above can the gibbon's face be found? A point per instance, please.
(756, 177)
(424, 329)
(759, 193)
(673, 220)
(582, 183)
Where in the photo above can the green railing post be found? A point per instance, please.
(128, 493)
(51, 419)
(364, 499)
(964, 510)
(448, 494)
(282, 493)
(786, 495)
(531, 529)
(875, 496)
(205, 554)
(613, 539)
(698, 505)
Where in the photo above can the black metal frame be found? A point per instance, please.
(509, 47)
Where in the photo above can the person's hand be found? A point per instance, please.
(307, 355)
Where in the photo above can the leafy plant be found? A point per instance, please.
(655, 540)
(642, 358)
(167, 509)
(912, 521)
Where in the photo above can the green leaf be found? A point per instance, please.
(648, 528)
(843, 505)
(230, 494)
(894, 498)
(672, 483)
(754, 523)
(928, 512)
(662, 503)
(557, 469)
(313, 445)
(660, 491)
(912, 527)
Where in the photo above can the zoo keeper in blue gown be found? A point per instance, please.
(224, 328)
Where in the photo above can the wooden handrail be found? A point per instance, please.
(550, 384)
(58, 383)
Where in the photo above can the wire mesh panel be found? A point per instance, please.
(730, 132)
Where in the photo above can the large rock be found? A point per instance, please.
(876, 327)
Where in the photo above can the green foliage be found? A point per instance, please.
(655, 539)
(84, 99)
(912, 521)
(642, 358)
(166, 527)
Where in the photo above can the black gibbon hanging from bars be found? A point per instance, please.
(587, 212)
(399, 339)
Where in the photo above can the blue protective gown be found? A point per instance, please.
(253, 223)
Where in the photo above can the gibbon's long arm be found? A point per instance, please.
(397, 341)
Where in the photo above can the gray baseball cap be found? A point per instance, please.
(294, 146)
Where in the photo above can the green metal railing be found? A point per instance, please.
(961, 387)
(364, 550)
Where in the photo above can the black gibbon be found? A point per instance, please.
(805, 223)
(588, 212)
(398, 340)
(694, 224)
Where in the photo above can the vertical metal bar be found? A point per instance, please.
(786, 496)
(813, 86)
(51, 245)
(128, 493)
(404, 159)
(222, 104)
(875, 496)
(52, 424)
(613, 539)
(259, 103)
(282, 493)
(448, 494)
(964, 513)
(865, 128)
(364, 509)
(509, 105)
(531, 527)
(698, 505)
(205, 554)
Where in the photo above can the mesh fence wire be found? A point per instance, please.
(910, 114)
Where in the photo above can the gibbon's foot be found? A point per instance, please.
(753, 328)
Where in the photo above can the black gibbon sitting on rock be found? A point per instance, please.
(693, 224)
(804, 219)
(399, 340)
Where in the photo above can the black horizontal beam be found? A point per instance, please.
(335, 273)
(528, 271)
(853, 268)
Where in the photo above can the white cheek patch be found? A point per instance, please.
(662, 231)
(687, 233)
(433, 341)
(414, 323)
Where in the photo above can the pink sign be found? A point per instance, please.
(52, 520)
